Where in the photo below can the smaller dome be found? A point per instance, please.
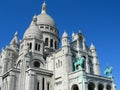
(65, 35)
(33, 31)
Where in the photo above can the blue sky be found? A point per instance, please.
(99, 21)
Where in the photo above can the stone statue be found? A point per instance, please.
(79, 64)
(108, 71)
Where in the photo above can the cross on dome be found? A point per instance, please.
(43, 8)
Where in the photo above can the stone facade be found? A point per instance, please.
(37, 63)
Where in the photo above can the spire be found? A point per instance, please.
(65, 35)
(35, 18)
(34, 21)
(14, 41)
(93, 50)
(43, 8)
(92, 47)
(73, 33)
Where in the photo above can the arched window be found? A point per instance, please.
(75, 87)
(48, 86)
(55, 44)
(36, 46)
(38, 86)
(91, 66)
(30, 45)
(43, 84)
(39, 47)
(61, 63)
(108, 87)
(46, 42)
(91, 86)
(100, 87)
(51, 43)
(58, 63)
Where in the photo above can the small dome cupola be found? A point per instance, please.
(65, 39)
(33, 31)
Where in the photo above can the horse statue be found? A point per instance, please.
(79, 63)
(108, 71)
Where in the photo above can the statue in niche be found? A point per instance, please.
(79, 64)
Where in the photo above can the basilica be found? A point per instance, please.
(37, 62)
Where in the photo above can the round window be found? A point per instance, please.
(36, 64)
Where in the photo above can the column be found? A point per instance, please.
(86, 86)
(3, 84)
(33, 45)
(5, 66)
(40, 83)
(53, 44)
(48, 42)
(31, 80)
(96, 86)
(113, 87)
(84, 46)
(11, 81)
(105, 86)
(87, 65)
(78, 45)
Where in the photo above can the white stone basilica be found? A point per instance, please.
(37, 62)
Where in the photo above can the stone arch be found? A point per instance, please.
(75, 87)
(46, 41)
(108, 87)
(100, 87)
(91, 66)
(36, 46)
(30, 45)
(55, 44)
(91, 86)
(38, 86)
(39, 47)
(51, 42)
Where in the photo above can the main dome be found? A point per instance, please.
(44, 18)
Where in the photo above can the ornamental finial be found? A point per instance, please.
(43, 8)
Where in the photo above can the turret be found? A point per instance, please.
(65, 39)
(79, 38)
(96, 66)
(10, 54)
(65, 43)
